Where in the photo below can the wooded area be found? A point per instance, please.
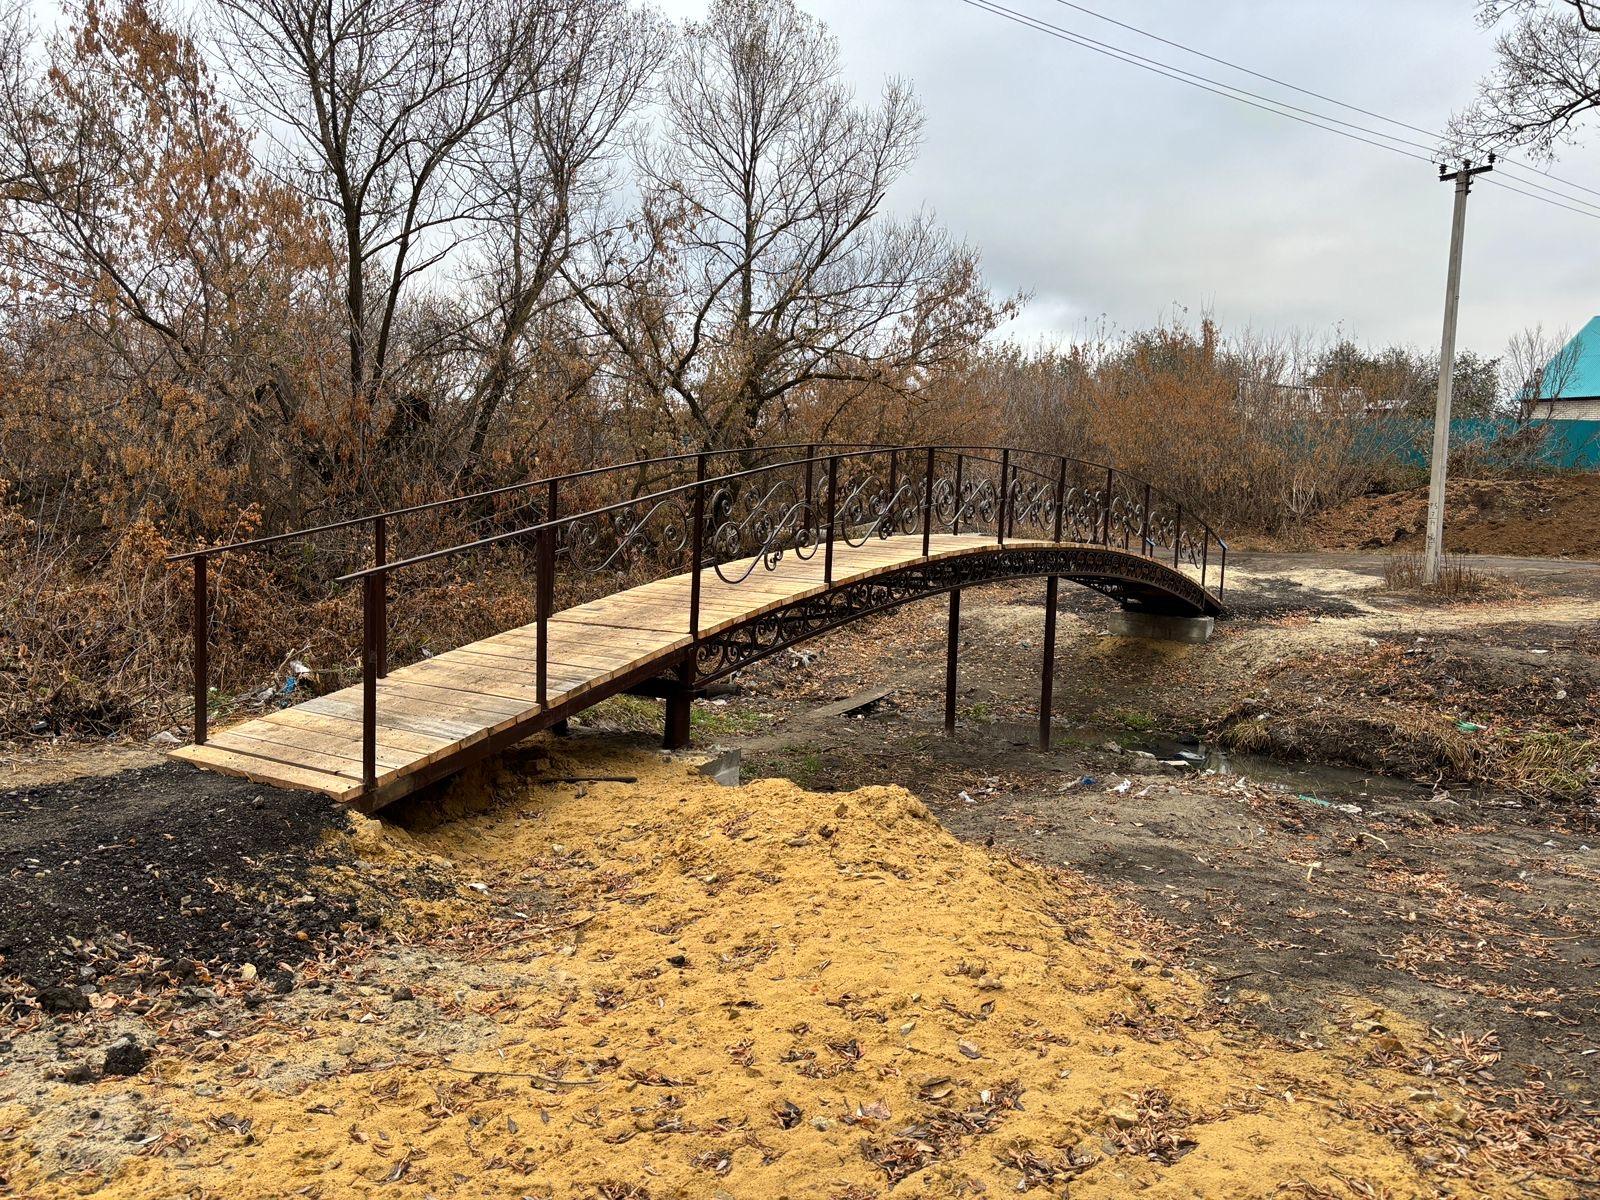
(278, 262)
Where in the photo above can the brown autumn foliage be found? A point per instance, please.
(211, 334)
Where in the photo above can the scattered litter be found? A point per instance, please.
(1353, 810)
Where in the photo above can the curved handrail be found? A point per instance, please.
(1019, 491)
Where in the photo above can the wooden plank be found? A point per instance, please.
(565, 633)
(522, 668)
(449, 719)
(274, 774)
(400, 741)
(291, 747)
(475, 681)
(409, 700)
(594, 664)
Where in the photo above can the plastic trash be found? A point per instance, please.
(1470, 727)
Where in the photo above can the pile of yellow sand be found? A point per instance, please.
(690, 990)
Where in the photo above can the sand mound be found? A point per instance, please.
(672, 989)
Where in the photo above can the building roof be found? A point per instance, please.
(1574, 373)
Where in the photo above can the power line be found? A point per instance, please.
(1133, 60)
(1582, 212)
(1315, 119)
(1355, 108)
(1202, 81)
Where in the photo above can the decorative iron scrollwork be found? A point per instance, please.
(747, 527)
(617, 540)
(1115, 573)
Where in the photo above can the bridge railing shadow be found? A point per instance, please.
(734, 514)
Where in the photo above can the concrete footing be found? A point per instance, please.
(1162, 626)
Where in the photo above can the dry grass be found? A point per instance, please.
(1458, 578)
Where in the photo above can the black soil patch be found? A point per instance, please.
(162, 869)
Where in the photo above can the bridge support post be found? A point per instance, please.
(679, 704)
(951, 650)
(1047, 669)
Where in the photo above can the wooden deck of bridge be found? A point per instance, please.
(438, 709)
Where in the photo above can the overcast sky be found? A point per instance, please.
(1107, 191)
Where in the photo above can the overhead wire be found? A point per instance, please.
(1439, 138)
(1319, 120)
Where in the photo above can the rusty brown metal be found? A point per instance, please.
(202, 644)
(952, 650)
(1047, 668)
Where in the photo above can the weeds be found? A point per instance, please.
(1553, 764)
(1458, 579)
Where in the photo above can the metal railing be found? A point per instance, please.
(737, 521)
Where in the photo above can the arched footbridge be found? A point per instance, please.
(662, 576)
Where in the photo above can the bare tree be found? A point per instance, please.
(1538, 366)
(1546, 76)
(380, 105)
(541, 173)
(760, 262)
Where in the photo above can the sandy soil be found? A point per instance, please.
(670, 988)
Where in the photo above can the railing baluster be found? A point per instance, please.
(1205, 554)
(544, 589)
(371, 586)
(955, 515)
(927, 506)
(811, 512)
(1005, 492)
(1105, 520)
(1061, 494)
(1177, 535)
(202, 638)
(1011, 506)
(1144, 525)
(380, 557)
(697, 545)
(833, 503)
(894, 489)
(1222, 567)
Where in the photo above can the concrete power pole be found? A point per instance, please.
(1439, 460)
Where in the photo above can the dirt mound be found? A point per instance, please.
(1557, 517)
(678, 989)
(154, 877)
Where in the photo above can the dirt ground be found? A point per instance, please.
(1152, 963)
(1556, 517)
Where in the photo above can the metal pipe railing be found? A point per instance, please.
(374, 580)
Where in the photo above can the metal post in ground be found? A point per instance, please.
(1047, 673)
(202, 630)
(952, 648)
(370, 586)
(679, 708)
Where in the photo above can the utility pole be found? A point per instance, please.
(1439, 460)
